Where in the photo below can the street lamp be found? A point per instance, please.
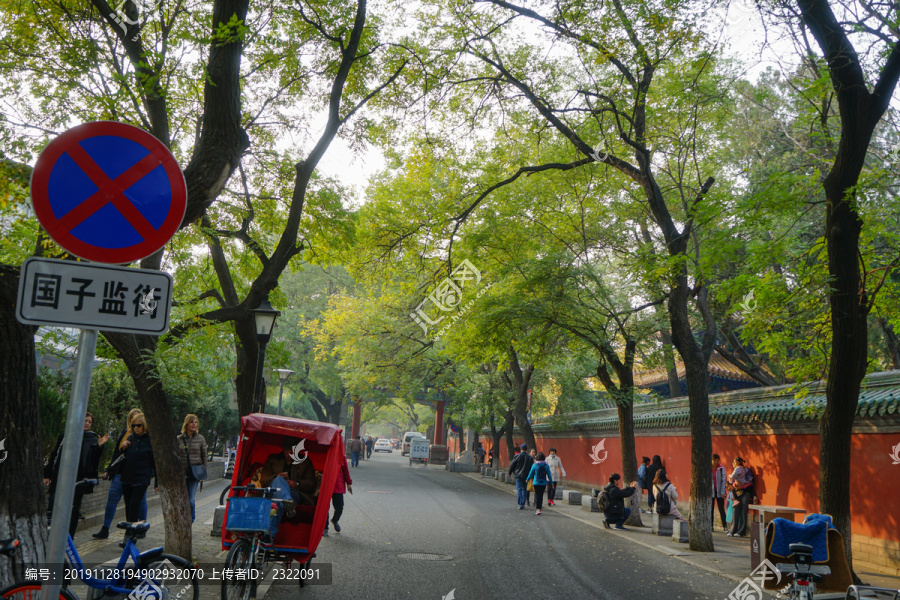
(264, 316)
(283, 376)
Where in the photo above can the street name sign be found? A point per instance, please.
(65, 293)
(108, 192)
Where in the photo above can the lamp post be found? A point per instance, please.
(264, 316)
(283, 376)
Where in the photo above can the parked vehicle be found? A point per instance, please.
(383, 445)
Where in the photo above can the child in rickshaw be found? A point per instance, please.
(268, 476)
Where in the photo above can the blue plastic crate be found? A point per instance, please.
(248, 514)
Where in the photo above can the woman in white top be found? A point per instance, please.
(661, 483)
(557, 472)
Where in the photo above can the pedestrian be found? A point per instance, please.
(302, 478)
(741, 486)
(369, 444)
(193, 456)
(540, 476)
(616, 514)
(491, 457)
(655, 466)
(519, 467)
(662, 485)
(137, 468)
(355, 448)
(113, 474)
(557, 472)
(342, 485)
(479, 453)
(720, 478)
(642, 477)
(87, 468)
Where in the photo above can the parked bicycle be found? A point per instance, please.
(152, 574)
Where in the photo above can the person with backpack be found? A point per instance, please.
(642, 479)
(665, 495)
(720, 478)
(655, 466)
(612, 502)
(519, 467)
(540, 477)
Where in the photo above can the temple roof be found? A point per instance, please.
(718, 367)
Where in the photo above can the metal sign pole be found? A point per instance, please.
(70, 456)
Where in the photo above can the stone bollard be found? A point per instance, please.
(589, 504)
(559, 492)
(489, 472)
(218, 519)
(680, 531)
(571, 497)
(661, 525)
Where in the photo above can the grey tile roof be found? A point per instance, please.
(879, 397)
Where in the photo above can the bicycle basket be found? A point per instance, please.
(248, 514)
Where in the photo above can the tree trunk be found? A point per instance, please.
(623, 395)
(22, 502)
(890, 340)
(521, 380)
(696, 376)
(137, 351)
(510, 445)
(671, 367)
(849, 354)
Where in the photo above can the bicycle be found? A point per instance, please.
(155, 575)
(249, 519)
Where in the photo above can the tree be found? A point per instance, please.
(639, 42)
(861, 104)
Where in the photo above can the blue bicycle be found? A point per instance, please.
(150, 575)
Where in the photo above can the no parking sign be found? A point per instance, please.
(108, 192)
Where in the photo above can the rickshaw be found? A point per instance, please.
(248, 508)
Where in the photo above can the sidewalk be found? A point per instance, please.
(731, 558)
(207, 549)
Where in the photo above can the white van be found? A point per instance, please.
(404, 449)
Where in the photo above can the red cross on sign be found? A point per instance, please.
(108, 192)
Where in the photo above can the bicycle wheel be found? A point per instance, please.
(173, 578)
(239, 557)
(30, 591)
(224, 494)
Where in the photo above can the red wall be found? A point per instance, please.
(786, 469)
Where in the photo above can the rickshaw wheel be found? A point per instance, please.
(239, 558)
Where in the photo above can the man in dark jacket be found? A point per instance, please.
(519, 468)
(88, 465)
(616, 514)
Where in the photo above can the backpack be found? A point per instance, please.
(663, 505)
(604, 501)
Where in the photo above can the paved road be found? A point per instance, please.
(490, 549)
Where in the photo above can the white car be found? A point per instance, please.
(383, 446)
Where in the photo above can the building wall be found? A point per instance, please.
(785, 462)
